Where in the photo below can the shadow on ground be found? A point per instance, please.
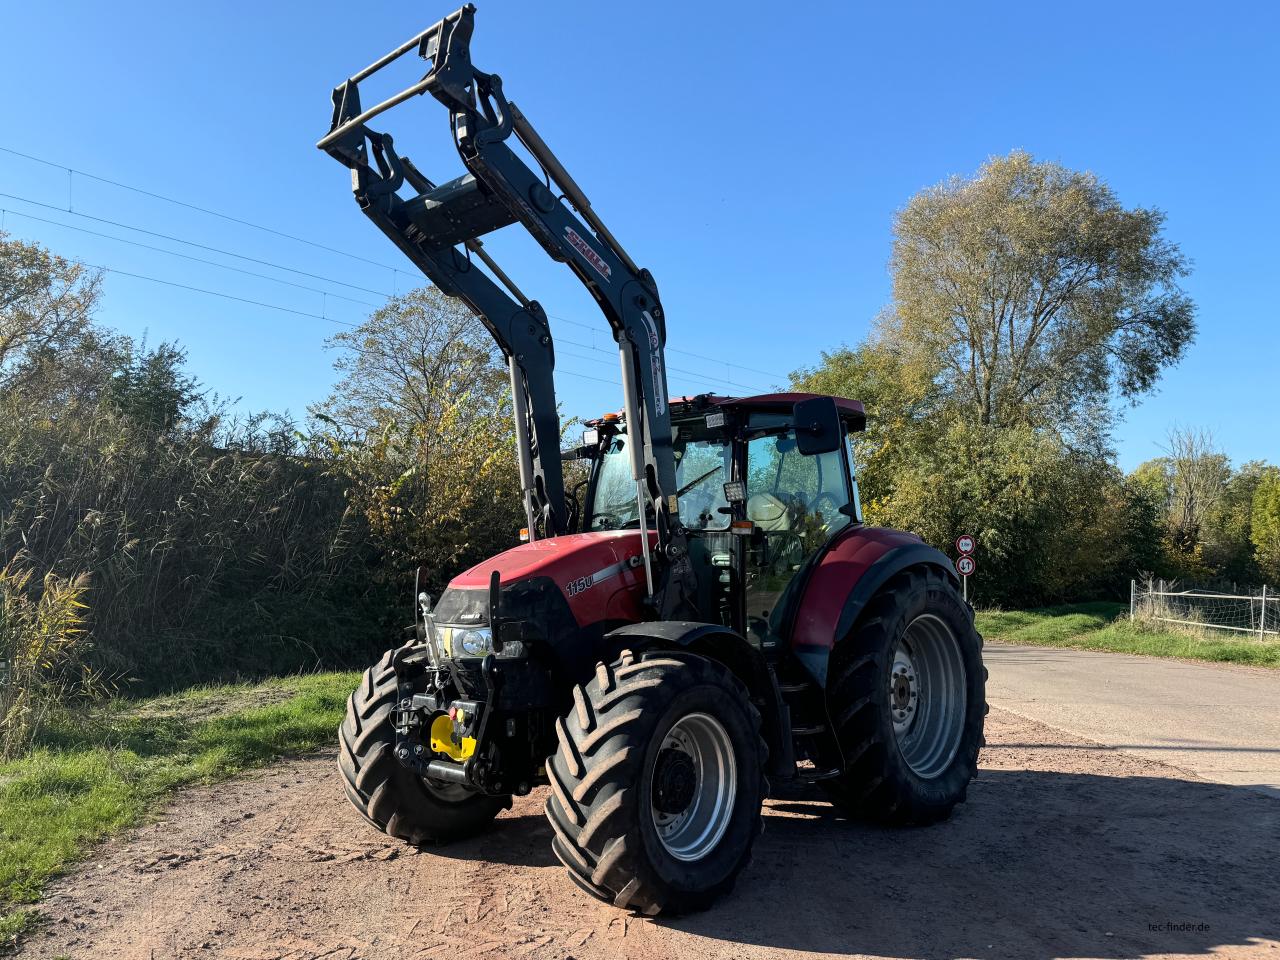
(1081, 865)
(1037, 865)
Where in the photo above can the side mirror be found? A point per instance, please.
(817, 426)
(421, 598)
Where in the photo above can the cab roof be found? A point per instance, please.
(851, 411)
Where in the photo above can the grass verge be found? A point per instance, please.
(93, 774)
(1106, 626)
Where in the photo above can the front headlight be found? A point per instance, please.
(476, 642)
(472, 641)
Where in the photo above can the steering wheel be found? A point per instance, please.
(604, 521)
(817, 505)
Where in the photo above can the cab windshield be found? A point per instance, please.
(702, 469)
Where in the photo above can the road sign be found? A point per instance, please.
(965, 566)
(965, 545)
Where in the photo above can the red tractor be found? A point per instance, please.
(712, 615)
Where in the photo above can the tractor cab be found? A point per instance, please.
(759, 493)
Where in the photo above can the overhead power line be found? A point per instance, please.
(561, 354)
(345, 323)
(610, 353)
(218, 293)
(73, 171)
(205, 210)
(193, 243)
(125, 226)
(289, 236)
(586, 376)
(687, 353)
(282, 309)
(185, 256)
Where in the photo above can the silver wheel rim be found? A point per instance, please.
(696, 746)
(927, 696)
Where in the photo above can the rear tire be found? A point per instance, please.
(907, 696)
(389, 795)
(657, 783)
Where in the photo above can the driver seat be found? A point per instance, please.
(768, 513)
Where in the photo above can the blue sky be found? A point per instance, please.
(751, 155)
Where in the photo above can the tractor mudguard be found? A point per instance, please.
(744, 660)
(856, 565)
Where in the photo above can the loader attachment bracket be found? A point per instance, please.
(447, 44)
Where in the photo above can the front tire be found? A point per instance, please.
(907, 696)
(389, 795)
(657, 784)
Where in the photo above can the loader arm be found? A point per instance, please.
(501, 189)
(449, 254)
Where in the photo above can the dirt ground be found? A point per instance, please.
(1065, 849)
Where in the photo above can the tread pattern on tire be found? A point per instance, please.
(871, 785)
(596, 771)
(385, 793)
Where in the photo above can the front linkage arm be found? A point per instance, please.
(501, 189)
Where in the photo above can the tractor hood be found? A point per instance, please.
(594, 577)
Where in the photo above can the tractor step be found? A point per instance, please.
(814, 776)
(799, 687)
(811, 730)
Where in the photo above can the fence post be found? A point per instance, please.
(1133, 593)
(1262, 620)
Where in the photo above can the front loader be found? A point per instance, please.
(713, 617)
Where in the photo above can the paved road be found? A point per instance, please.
(1218, 721)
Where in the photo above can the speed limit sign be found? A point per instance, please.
(965, 564)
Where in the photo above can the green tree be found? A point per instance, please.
(420, 423)
(1144, 527)
(904, 409)
(411, 362)
(1201, 517)
(1265, 532)
(1025, 298)
(1049, 520)
(202, 548)
(1036, 294)
(71, 378)
(46, 304)
(1198, 476)
(1229, 549)
(150, 388)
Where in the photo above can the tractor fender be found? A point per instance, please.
(739, 655)
(851, 571)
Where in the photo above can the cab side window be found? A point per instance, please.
(702, 467)
(789, 492)
(794, 502)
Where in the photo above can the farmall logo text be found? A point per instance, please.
(655, 363)
(584, 248)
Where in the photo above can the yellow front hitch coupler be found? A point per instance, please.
(444, 741)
